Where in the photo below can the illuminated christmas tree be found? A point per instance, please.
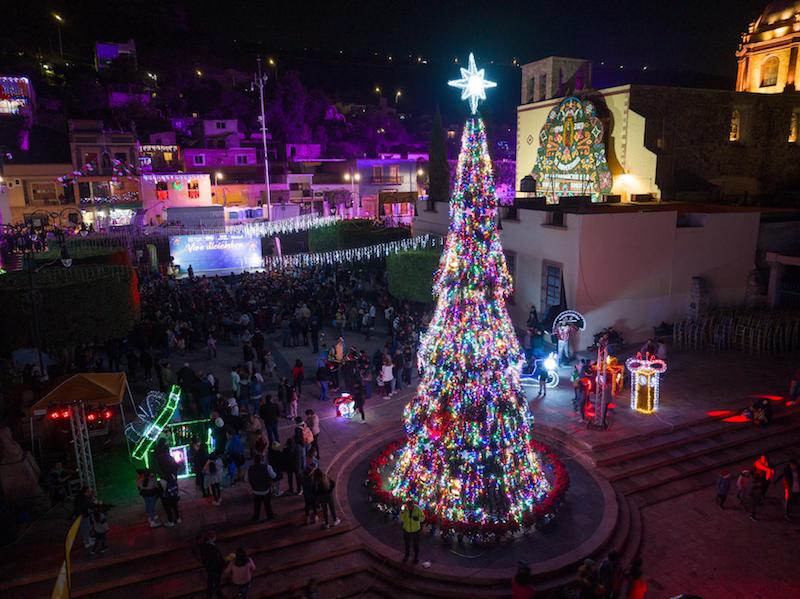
(469, 461)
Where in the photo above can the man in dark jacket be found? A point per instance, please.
(260, 477)
(270, 413)
(211, 557)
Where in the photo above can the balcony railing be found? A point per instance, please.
(386, 179)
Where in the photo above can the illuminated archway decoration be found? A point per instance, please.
(571, 159)
(645, 374)
(570, 318)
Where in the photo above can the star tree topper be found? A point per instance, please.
(472, 84)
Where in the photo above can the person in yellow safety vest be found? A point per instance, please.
(411, 517)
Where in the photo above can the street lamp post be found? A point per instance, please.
(261, 78)
(353, 178)
(59, 20)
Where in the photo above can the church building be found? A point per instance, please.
(647, 143)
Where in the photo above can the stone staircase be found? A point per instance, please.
(680, 460)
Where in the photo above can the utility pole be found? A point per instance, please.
(260, 79)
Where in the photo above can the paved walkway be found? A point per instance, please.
(683, 537)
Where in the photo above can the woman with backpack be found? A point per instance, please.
(149, 489)
(212, 477)
(323, 492)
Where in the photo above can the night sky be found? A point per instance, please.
(334, 44)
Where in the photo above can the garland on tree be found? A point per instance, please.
(469, 461)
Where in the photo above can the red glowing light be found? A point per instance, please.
(737, 419)
(719, 413)
(65, 414)
(769, 397)
(91, 417)
(54, 415)
(107, 414)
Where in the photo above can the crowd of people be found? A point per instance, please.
(251, 408)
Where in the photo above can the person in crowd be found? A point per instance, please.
(294, 459)
(323, 379)
(84, 504)
(268, 365)
(387, 377)
(312, 422)
(637, 587)
(170, 497)
(275, 458)
(256, 392)
(209, 555)
(293, 401)
(260, 477)
(723, 487)
(587, 580)
(323, 493)
(307, 488)
(212, 477)
(235, 380)
(408, 364)
(211, 347)
(542, 377)
(411, 519)
(100, 525)
(270, 413)
(198, 456)
(611, 575)
(397, 362)
(284, 396)
(791, 487)
(241, 570)
(522, 583)
(149, 490)
(298, 374)
(763, 473)
(234, 456)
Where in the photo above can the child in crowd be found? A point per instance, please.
(212, 477)
(293, 404)
(100, 523)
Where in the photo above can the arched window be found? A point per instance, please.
(735, 127)
(769, 71)
(794, 128)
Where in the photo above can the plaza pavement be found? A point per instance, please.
(689, 544)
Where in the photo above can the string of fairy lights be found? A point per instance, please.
(361, 254)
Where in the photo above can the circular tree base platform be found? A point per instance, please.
(483, 534)
(585, 524)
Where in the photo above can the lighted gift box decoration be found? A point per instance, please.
(345, 406)
(645, 374)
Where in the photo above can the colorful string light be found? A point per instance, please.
(469, 459)
(645, 381)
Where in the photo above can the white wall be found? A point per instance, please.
(723, 252)
(625, 270)
(630, 270)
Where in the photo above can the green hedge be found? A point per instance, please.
(81, 304)
(349, 234)
(411, 274)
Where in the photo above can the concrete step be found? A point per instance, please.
(733, 455)
(281, 579)
(267, 546)
(678, 437)
(403, 578)
(695, 448)
(706, 480)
